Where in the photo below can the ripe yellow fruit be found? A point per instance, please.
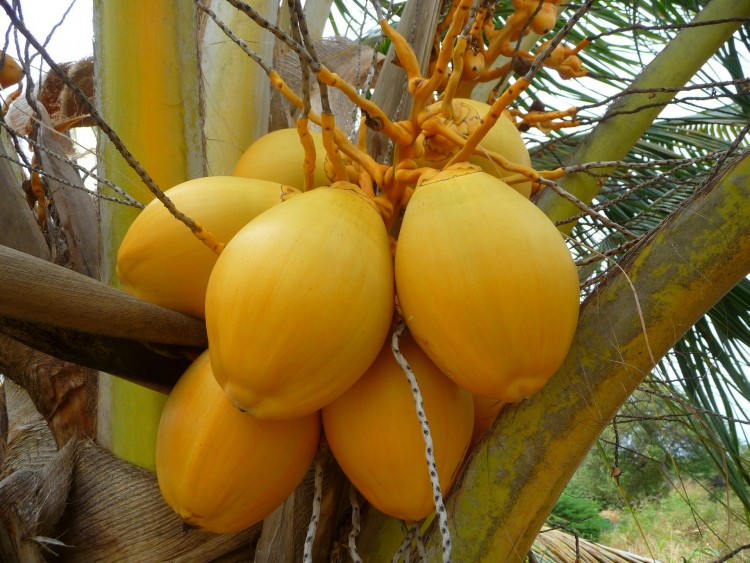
(474, 64)
(11, 72)
(486, 284)
(300, 302)
(375, 435)
(544, 20)
(162, 262)
(221, 470)
(503, 139)
(278, 156)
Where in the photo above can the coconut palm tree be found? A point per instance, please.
(651, 203)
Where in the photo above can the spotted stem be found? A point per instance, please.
(437, 495)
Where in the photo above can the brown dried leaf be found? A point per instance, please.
(117, 513)
(59, 100)
(64, 393)
(35, 482)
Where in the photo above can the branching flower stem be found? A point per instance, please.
(393, 130)
(516, 89)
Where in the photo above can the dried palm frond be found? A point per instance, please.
(558, 546)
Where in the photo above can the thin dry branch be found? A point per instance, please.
(664, 27)
(586, 209)
(740, 82)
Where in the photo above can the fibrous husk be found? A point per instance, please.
(559, 546)
(116, 512)
(113, 509)
(61, 103)
(87, 505)
(35, 480)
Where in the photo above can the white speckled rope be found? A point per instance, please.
(355, 525)
(404, 548)
(419, 541)
(437, 494)
(317, 498)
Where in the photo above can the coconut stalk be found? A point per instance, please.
(236, 90)
(147, 84)
(83, 321)
(63, 392)
(417, 24)
(628, 118)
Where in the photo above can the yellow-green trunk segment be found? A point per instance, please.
(631, 115)
(516, 475)
(316, 15)
(148, 80)
(236, 91)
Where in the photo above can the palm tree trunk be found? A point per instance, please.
(148, 82)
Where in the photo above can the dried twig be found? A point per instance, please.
(664, 27)
(585, 208)
(127, 199)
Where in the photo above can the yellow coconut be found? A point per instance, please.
(486, 284)
(544, 20)
(10, 72)
(278, 156)
(221, 470)
(300, 302)
(374, 433)
(162, 262)
(503, 139)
